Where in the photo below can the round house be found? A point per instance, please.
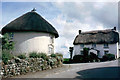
(31, 33)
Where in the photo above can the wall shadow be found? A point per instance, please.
(103, 73)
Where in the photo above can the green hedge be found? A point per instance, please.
(108, 57)
(42, 55)
(22, 56)
(53, 55)
(33, 55)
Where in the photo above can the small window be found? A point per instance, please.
(106, 46)
(93, 45)
(106, 52)
(82, 45)
(51, 39)
(50, 50)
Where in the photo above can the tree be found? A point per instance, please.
(86, 57)
(85, 51)
(7, 43)
(7, 47)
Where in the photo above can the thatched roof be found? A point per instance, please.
(98, 37)
(30, 21)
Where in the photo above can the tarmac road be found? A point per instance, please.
(103, 70)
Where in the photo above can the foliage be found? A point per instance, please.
(7, 46)
(53, 55)
(66, 59)
(78, 58)
(82, 58)
(22, 56)
(85, 51)
(6, 55)
(59, 54)
(42, 55)
(33, 55)
(86, 57)
(7, 43)
(107, 57)
(93, 57)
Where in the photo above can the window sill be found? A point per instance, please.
(106, 47)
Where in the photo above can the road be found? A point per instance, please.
(110, 69)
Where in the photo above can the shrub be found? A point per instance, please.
(42, 55)
(6, 55)
(66, 60)
(7, 43)
(58, 54)
(109, 57)
(93, 57)
(53, 55)
(22, 56)
(85, 51)
(78, 58)
(33, 55)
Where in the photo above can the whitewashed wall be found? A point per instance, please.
(26, 42)
(113, 49)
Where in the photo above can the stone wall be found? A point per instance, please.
(18, 66)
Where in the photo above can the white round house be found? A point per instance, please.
(31, 33)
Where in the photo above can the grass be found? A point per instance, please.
(66, 59)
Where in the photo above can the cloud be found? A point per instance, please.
(68, 18)
(92, 13)
(81, 16)
(68, 31)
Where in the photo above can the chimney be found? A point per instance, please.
(114, 28)
(80, 31)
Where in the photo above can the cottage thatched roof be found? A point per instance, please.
(98, 37)
(30, 21)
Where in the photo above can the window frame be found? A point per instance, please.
(93, 45)
(106, 45)
(82, 45)
(51, 39)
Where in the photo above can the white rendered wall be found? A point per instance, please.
(26, 42)
(113, 49)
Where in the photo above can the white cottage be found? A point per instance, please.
(31, 32)
(99, 42)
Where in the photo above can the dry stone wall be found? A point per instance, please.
(18, 66)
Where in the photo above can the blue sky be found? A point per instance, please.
(66, 17)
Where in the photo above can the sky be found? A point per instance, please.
(67, 18)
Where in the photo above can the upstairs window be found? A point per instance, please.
(93, 45)
(82, 45)
(52, 39)
(106, 45)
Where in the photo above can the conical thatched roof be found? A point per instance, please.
(30, 21)
(98, 37)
